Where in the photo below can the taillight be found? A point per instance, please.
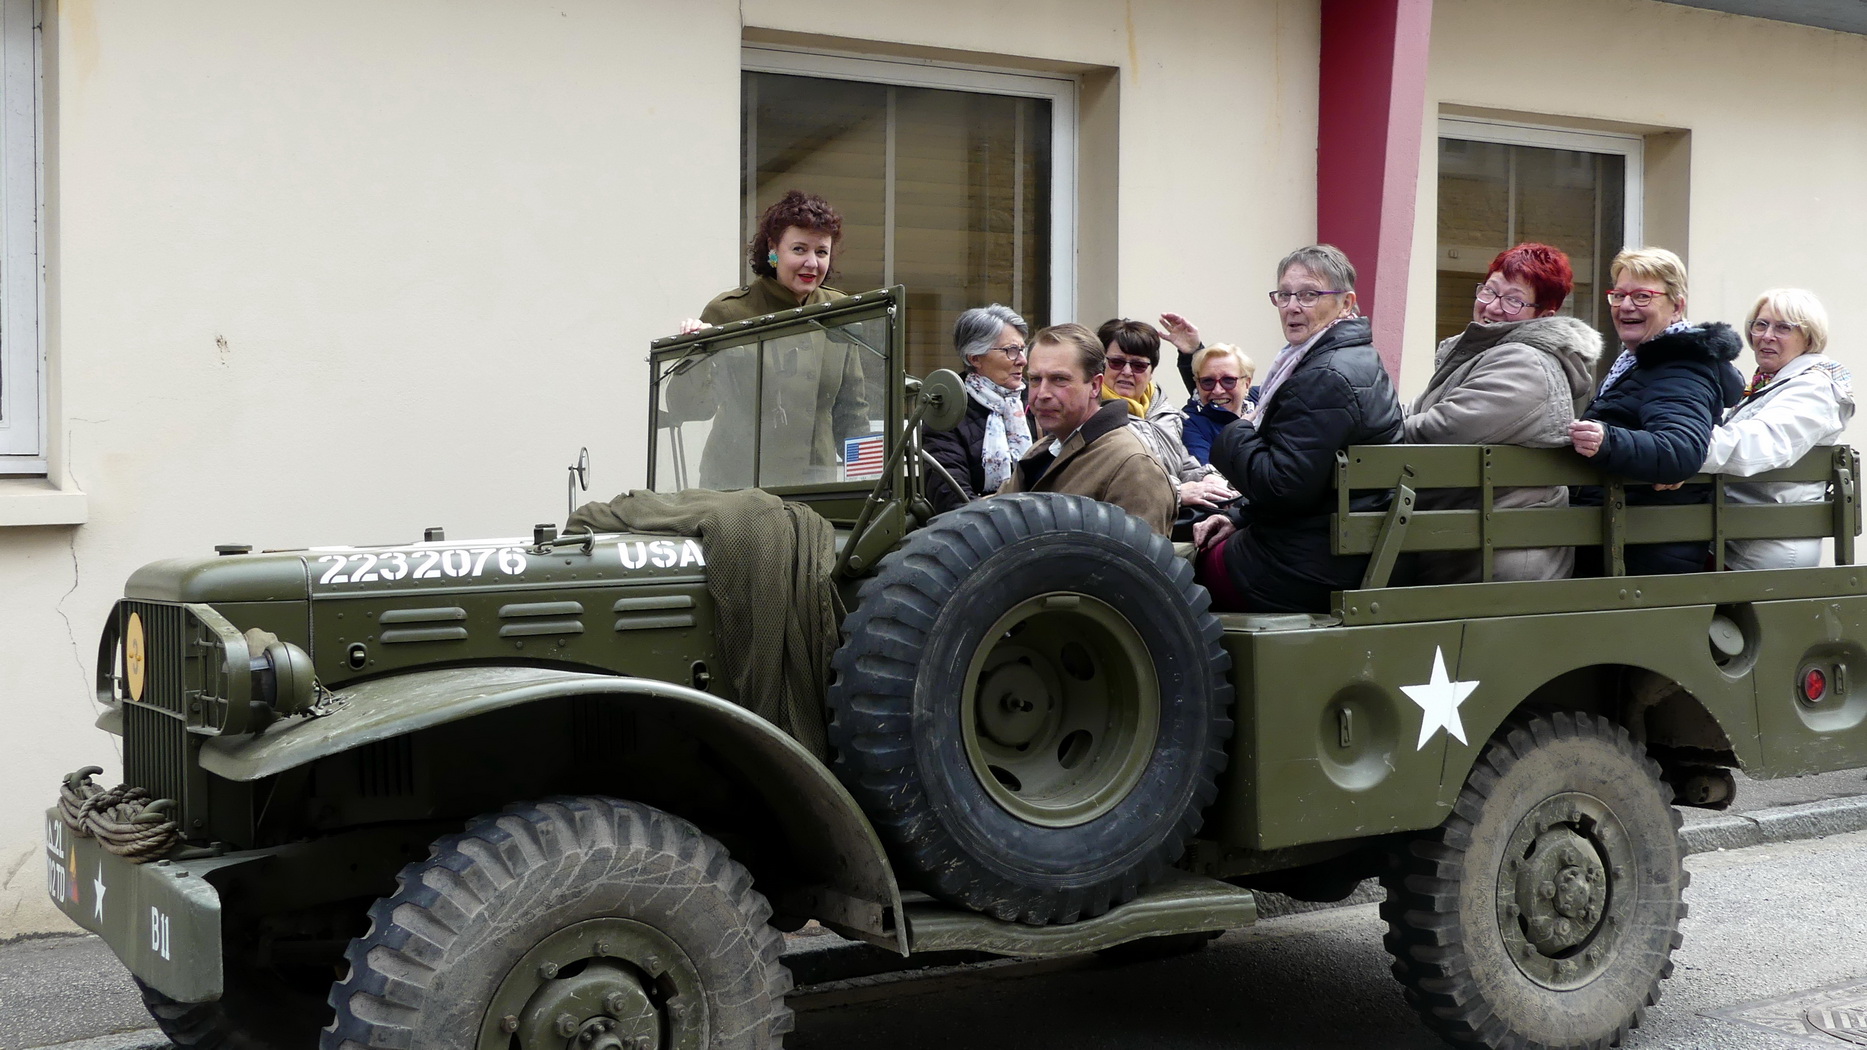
(1814, 685)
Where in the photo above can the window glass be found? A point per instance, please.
(21, 381)
(802, 407)
(944, 191)
(1493, 195)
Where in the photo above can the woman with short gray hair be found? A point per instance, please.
(980, 453)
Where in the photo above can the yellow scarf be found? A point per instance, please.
(1136, 405)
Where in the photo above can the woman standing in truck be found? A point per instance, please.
(1798, 398)
(814, 394)
(1517, 375)
(1653, 414)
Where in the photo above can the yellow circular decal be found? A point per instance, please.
(134, 648)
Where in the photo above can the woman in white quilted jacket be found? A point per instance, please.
(1799, 398)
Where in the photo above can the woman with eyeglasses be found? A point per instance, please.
(1798, 398)
(980, 453)
(1326, 390)
(1653, 413)
(1517, 375)
(1132, 350)
(1221, 380)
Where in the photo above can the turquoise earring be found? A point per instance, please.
(771, 259)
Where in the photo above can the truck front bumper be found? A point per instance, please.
(162, 918)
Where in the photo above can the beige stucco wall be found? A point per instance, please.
(335, 272)
(1771, 116)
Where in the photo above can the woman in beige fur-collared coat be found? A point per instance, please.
(1517, 375)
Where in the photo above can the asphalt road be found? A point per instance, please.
(1767, 921)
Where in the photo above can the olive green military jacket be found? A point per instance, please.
(814, 396)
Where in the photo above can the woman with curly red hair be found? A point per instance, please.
(1517, 375)
(819, 387)
(790, 253)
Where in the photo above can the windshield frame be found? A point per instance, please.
(666, 354)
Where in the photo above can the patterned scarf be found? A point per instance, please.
(1285, 363)
(1626, 360)
(1758, 381)
(1007, 437)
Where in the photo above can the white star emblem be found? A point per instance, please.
(1439, 701)
(97, 888)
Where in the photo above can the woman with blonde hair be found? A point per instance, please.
(1220, 379)
(1798, 398)
(1653, 414)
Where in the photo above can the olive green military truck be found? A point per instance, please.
(565, 790)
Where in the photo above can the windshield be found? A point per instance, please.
(796, 400)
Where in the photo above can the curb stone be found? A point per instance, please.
(1808, 820)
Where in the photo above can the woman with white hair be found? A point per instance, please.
(1798, 398)
(981, 452)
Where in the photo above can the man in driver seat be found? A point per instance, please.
(1088, 448)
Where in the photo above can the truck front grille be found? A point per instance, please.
(165, 629)
(155, 752)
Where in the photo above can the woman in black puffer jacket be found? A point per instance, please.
(1326, 390)
(1652, 417)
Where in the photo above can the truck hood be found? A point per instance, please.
(436, 567)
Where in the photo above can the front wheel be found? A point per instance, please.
(1544, 912)
(584, 922)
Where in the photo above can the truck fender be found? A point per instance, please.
(817, 812)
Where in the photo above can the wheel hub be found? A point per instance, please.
(1014, 703)
(1061, 710)
(1566, 884)
(603, 984)
(1561, 889)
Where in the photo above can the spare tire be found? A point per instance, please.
(1032, 706)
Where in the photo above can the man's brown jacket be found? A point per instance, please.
(1102, 460)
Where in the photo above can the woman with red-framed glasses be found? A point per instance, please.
(1653, 413)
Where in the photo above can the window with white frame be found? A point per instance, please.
(957, 183)
(22, 365)
(1503, 184)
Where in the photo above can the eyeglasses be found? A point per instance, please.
(1783, 329)
(1213, 382)
(1306, 297)
(1488, 295)
(1012, 351)
(1136, 365)
(1642, 297)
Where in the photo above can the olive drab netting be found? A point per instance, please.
(768, 572)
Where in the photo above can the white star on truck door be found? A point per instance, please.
(1439, 701)
(98, 888)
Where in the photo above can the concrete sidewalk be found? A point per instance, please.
(71, 993)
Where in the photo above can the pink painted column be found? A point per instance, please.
(1372, 95)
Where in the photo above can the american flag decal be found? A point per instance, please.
(862, 458)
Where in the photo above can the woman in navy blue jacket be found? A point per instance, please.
(1652, 417)
(1220, 377)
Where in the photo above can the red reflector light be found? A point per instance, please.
(1814, 684)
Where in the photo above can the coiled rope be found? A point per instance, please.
(124, 820)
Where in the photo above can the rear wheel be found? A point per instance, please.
(1543, 913)
(583, 922)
